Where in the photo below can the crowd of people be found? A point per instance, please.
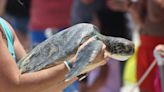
(35, 20)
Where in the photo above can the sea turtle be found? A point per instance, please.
(63, 45)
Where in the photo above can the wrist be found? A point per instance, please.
(69, 65)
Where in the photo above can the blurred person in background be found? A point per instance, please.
(48, 17)
(149, 14)
(108, 77)
(17, 14)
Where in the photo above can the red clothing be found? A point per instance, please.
(145, 58)
(50, 13)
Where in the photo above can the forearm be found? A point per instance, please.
(35, 82)
(39, 81)
(43, 79)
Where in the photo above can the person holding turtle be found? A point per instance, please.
(11, 80)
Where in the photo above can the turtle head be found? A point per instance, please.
(119, 48)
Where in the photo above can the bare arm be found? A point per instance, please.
(10, 76)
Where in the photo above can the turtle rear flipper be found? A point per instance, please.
(85, 56)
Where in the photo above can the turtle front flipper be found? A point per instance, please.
(85, 56)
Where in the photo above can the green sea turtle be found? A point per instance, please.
(64, 45)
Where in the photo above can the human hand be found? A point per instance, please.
(160, 49)
(159, 54)
(100, 59)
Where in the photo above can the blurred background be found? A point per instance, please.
(141, 21)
